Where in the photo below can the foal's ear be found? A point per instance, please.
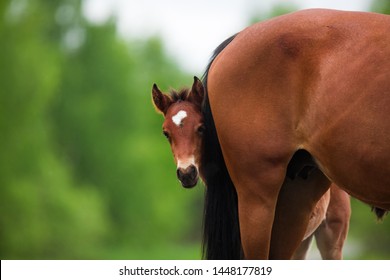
(197, 92)
(160, 100)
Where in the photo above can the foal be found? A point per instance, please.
(183, 127)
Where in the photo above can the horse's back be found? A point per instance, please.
(317, 80)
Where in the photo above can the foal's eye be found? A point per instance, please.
(201, 129)
(166, 134)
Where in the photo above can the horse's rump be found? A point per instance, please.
(312, 85)
(316, 80)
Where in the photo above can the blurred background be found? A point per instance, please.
(85, 172)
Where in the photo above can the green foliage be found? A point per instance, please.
(381, 6)
(84, 170)
(43, 215)
(277, 10)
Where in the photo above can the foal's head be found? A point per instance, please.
(183, 127)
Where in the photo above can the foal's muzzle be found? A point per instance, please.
(188, 176)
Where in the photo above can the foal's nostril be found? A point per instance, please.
(179, 173)
(188, 176)
(189, 171)
(192, 172)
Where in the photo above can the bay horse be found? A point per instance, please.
(315, 82)
(184, 128)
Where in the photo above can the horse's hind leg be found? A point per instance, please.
(296, 201)
(331, 234)
(301, 252)
(257, 197)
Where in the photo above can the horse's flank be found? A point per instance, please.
(315, 80)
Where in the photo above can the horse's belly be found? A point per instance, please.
(354, 152)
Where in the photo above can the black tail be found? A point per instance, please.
(221, 232)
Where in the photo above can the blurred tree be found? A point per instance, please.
(83, 165)
(381, 6)
(42, 214)
(277, 10)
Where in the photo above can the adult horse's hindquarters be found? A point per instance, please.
(315, 80)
